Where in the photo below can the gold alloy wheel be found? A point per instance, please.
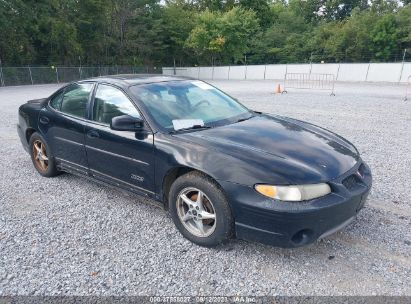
(40, 157)
(196, 212)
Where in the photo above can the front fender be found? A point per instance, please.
(172, 152)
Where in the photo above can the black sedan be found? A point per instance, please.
(220, 169)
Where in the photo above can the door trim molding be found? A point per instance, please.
(118, 155)
(69, 141)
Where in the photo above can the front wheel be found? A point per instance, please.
(200, 210)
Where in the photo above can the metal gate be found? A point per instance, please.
(309, 81)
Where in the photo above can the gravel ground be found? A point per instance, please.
(69, 236)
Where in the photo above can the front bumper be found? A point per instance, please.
(294, 224)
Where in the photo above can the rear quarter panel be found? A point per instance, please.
(28, 119)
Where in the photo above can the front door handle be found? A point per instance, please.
(93, 134)
(44, 120)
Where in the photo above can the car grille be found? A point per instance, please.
(355, 180)
(350, 182)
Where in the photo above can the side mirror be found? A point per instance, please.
(126, 123)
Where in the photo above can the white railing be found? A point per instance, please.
(309, 81)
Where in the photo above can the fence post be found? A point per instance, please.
(285, 77)
(31, 76)
(265, 69)
(198, 75)
(368, 68)
(338, 71)
(1, 75)
(57, 75)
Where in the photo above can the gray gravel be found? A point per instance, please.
(69, 236)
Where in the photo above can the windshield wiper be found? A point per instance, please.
(244, 119)
(195, 127)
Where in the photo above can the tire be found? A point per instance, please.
(213, 203)
(44, 162)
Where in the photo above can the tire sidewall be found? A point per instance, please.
(224, 220)
(51, 169)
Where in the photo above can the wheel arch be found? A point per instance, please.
(29, 133)
(172, 175)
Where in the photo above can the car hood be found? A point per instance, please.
(291, 151)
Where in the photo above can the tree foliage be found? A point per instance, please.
(223, 35)
(189, 32)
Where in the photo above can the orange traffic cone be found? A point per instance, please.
(278, 90)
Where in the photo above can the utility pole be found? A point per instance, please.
(402, 64)
(311, 62)
(79, 69)
(245, 63)
(31, 76)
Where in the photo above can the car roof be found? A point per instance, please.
(126, 80)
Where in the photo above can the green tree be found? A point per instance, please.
(342, 9)
(15, 43)
(404, 28)
(176, 24)
(93, 25)
(309, 10)
(285, 40)
(381, 7)
(261, 8)
(344, 41)
(136, 32)
(215, 5)
(223, 35)
(384, 36)
(157, 32)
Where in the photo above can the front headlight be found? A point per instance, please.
(294, 193)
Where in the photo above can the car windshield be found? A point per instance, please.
(185, 104)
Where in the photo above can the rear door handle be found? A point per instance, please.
(44, 120)
(93, 134)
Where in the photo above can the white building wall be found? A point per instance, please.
(237, 73)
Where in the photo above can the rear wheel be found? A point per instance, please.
(41, 156)
(200, 210)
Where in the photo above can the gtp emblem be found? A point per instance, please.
(137, 178)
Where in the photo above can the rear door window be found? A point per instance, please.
(76, 98)
(55, 102)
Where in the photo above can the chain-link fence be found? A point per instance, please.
(12, 76)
